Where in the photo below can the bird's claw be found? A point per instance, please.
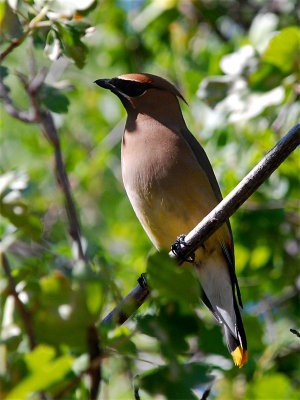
(177, 249)
(142, 281)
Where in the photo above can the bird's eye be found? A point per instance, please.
(130, 88)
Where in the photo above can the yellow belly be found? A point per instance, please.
(167, 212)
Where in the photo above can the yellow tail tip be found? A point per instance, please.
(239, 356)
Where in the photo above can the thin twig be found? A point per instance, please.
(24, 313)
(216, 217)
(14, 43)
(36, 22)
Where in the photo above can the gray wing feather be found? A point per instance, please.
(203, 160)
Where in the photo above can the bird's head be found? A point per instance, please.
(143, 93)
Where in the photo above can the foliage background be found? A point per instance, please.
(237, 65)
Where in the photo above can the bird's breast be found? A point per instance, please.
(168, 189)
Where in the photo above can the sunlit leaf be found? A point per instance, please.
(9, 22)
(283, 50)
(71, 43)
(271, 386)
(44, 369)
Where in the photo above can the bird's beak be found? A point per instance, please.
(105, 83)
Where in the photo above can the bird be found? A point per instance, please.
(171, 186)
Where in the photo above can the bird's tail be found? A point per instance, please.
(237, 345)
(219, 296)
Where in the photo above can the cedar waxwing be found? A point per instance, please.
(172, 187)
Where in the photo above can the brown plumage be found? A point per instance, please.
(171, 186)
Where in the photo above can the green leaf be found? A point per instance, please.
(272, 386)
(11, 27)
(44, 371)
(171, 327)
(71, 44)
(175, 382)
(94, 296)
(63, 315)
(3, 71)
(53, 99)
(171, 281)
(283, 50)
(260, 256)
(121, 342)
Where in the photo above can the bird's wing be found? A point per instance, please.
(228, 248)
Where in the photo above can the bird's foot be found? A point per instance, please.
(142, 281)
(177, 249)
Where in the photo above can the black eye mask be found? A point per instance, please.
(130, 88)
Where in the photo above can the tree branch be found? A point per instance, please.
(268, 164)
(47, 124)
(295, 332)
(129, 304)
(94, 353)
(11, 109)
(215, 218)
(33, 24)
(14, 43)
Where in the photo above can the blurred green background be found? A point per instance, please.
(237, 65)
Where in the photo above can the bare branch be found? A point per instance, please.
(49, 129)
(13, 44)
(11, 109)
(269, 163)
(36, 22)
(129, 304)
(215, 218)
(94, 353)
(295, 332)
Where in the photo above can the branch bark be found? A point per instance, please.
(269, 163)
(129, 304)
(14, 43)
(94, 353)
(11, 109)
